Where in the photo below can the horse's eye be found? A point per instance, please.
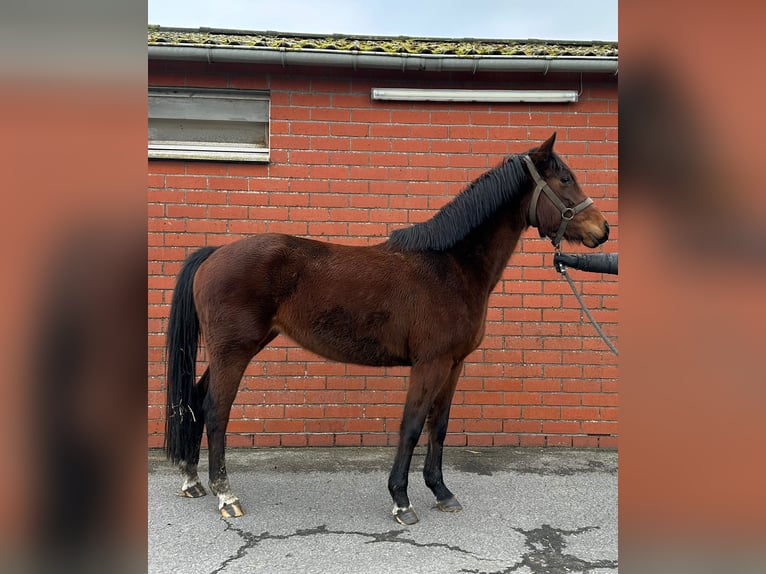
(566, 180)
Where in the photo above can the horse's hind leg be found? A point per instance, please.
(438, 420)
(225, 375)
(226, 370)
(192, 486)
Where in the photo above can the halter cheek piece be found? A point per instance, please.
(567, 213)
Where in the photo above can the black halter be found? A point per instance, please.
(567, 213)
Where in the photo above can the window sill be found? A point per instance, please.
(207, 155)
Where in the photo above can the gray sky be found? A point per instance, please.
(509, 19)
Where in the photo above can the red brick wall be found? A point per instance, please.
(346, 169)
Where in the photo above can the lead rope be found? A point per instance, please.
(561, 268)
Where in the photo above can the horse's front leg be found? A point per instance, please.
(425, 381)
(438, 420)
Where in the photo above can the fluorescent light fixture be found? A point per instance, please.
(417, 95)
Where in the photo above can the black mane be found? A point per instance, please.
(469, 209)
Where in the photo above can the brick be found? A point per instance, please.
(601, 148)
(504, 412)
(530, 119)
(483, 398)
(469, 161)
(335, 86)
(351, 130)
(603, 120)
(514, 426)
(561, 399)
(490, 118)
(348, 440)
(462, 411)
(364, 425)
(513, 134)
(351, 101)
(506, 440)
(570, 119)
(600, 399)
(283, 426)
(207, 168)
(374, 440)
(244, 426)
(310, 99)
(531, 440)
(450, 146)
(263, 411)
(451, 118)
(413, 145)
(579, 413)
(410, 117)
(428, 131)
(535, 412)
(165, 166)
(185, 182)
(247, 227)
(264, 441)
(389, 131)
(561, 427)
(484, 425)
(304, 411)
(310, 128)
(468, 132)
(522, 398)
(320, 440)
(542, 385)
(558, 441)
(341, 214)
(371, 116)
(479, 440)
(207, 197)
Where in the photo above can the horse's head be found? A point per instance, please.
(557, 206)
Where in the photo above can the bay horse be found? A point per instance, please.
(418, 299)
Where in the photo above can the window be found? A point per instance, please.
(198, 123)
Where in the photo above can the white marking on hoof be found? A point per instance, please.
(225, 498)
(191, 481)
(398, 509)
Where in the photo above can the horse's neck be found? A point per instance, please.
(485, 252)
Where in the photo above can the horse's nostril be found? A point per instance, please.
(606, 230)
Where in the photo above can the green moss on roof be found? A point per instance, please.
(394, 45)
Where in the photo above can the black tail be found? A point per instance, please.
(182, 414)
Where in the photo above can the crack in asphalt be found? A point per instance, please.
(251, 540)
(546, 545)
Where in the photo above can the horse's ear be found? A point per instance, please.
(543, 153)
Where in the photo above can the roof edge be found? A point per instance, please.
(376, 60)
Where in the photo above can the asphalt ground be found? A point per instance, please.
(327, 510)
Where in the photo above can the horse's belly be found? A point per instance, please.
(340, 335)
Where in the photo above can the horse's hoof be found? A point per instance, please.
(449, 505)
(405, 516)
(232, 510)
(194, 491)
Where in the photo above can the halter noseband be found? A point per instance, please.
(567, 213)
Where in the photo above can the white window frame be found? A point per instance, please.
(217, 106)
